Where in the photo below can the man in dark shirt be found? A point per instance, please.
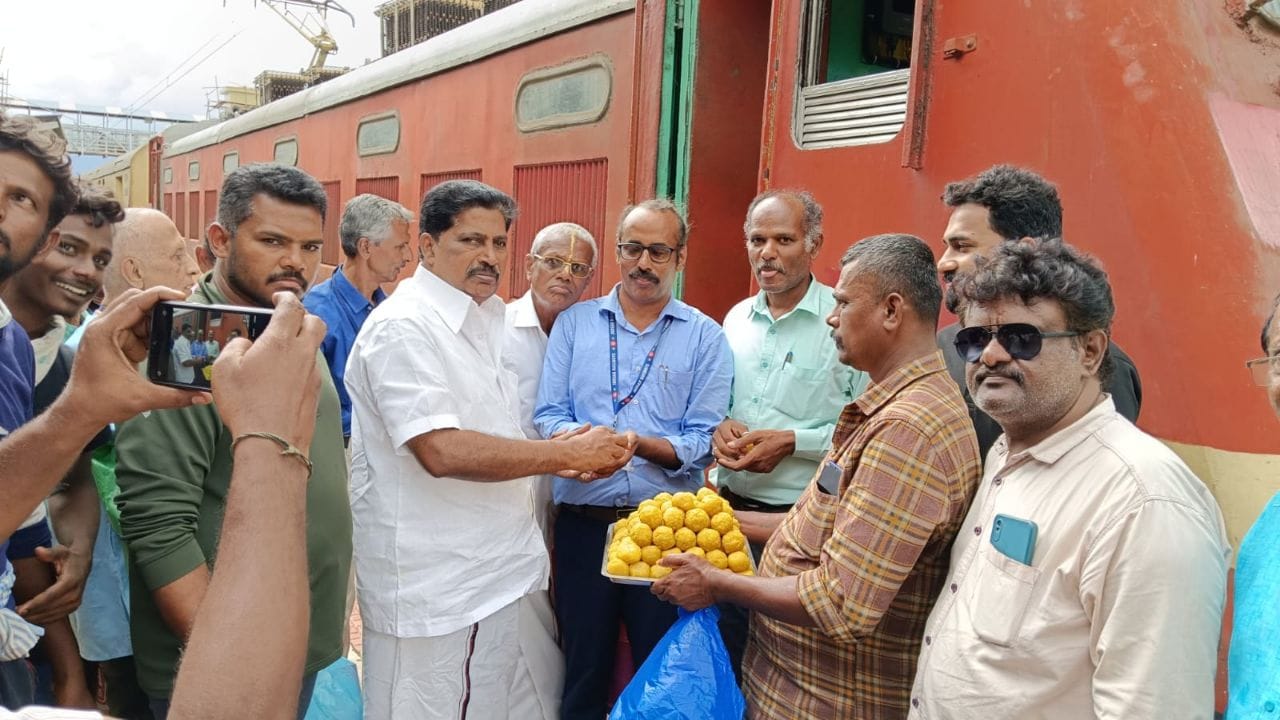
(1005, 204)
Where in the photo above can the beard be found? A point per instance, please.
(239, 277)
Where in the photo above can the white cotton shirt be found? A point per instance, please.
(182, 353)
(525, 348)
(1118, 614)
(435, 554)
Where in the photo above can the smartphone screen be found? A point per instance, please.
(187, 337)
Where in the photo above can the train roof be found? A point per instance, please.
(510, 27)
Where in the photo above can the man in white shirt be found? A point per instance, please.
(185, 362)
(559, 266)
(447, 547)
(1090, 575)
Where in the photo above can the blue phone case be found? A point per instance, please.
(1014, 538)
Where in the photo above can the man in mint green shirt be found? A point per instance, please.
(174, 467)
(788, 384)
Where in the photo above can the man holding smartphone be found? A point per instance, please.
(1089, 576)
(174, 467)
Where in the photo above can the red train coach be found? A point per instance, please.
(1158, 121)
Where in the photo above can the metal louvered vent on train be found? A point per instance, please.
(860, 111)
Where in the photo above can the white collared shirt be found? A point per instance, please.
(435, 554)
(523, 352)
(1118, 614)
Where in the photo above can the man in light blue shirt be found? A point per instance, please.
(1253, 665)
(375, 239)
(789, 385)
(636, 360)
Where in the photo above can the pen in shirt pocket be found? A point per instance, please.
(787, 360)
(666, 374)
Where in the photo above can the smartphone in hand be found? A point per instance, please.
(187, 337)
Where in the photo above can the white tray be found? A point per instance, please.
(627, 579)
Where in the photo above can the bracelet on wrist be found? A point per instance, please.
(287, 448)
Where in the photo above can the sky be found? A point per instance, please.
(125, 52)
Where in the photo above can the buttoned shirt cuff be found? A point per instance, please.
(402, 434)
(170, 565)
(817, 593)
(684, 451)
(813, 443)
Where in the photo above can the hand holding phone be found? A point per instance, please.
(273, 384)
(174, 357)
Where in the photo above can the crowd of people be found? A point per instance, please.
(962, 523)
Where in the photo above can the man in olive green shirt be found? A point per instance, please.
(174, 466)
(788, 384)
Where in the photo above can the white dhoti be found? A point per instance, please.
(505, 667)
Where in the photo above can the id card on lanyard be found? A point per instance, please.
(619, 403)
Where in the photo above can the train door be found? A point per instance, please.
(715, 57)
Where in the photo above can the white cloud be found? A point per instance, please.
(112, 53)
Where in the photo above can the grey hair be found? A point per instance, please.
(658, 205)
(282, 182)
(901, 264)
(812, 213)
(564, 229)
(369, 216)
(1045, 269)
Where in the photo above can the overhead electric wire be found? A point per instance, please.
(169, 80)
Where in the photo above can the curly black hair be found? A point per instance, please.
(1045, 269)
(24, 134)
(1020, 202)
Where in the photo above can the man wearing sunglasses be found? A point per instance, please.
(1089, 576)
(1005, 204)
(636, 360)
(1253, 666)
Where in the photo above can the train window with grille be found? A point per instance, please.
(230, 161)
(854, 72)
(378, 134)
(286, 152)
(575, 93)
(168, 175)
(193, 170)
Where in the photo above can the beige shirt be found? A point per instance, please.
(1119, 612)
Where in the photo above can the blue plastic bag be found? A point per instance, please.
(687, 676)
(337, 693)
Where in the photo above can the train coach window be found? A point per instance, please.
(230, 162)
(378, 134)
(286, 152)
(193, 170)
(575, 93)
(168, 175)
(854, 71)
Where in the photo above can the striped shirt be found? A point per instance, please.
(871, 559)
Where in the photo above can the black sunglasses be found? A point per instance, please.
(1021, 340)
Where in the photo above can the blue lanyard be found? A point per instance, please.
(644, 369)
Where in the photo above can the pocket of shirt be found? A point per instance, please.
(1003, 591)
(803, 391)
(672, 397)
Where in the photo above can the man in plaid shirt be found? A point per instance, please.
(847, 581)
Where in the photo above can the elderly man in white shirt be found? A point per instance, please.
(1089, 578)
(559, 267)
(447, 547)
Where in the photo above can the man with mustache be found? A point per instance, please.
(448, 552)
(1005, 204)
(51, 577)
(635, 360)
(788, 383)
(1089, 577)
(847, 578)
(375, 240)
(174, 467)
(1253, 666)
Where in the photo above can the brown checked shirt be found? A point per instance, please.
(871, 558)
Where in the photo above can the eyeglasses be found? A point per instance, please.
(556, 264)
(1021, 340)
(1264, 369)
(658, 253)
